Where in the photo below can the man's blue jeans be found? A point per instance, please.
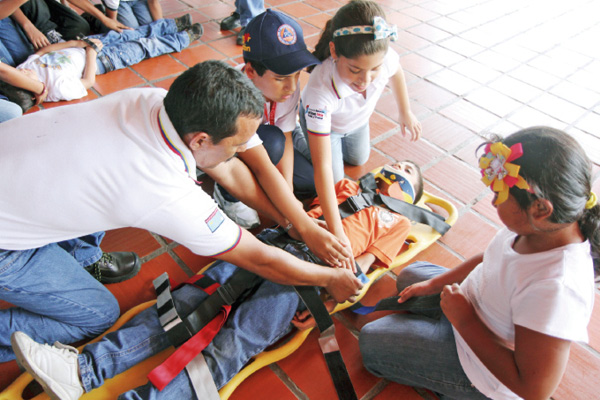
(249, 9)
(415, 349)
(55, 297)
(132, 46)
(14, 45)
(134, 13)
(260, 320)
(9, 110)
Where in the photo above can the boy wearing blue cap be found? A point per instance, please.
(262, 177)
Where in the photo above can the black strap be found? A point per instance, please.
(369, 197)
(430, 303)
(181, 329)
(327, 341)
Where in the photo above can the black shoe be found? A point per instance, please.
(115, 267)
(239, 40)
(183, 22)
(195, 32)
(231, 22)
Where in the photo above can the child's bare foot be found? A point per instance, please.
(304, 319)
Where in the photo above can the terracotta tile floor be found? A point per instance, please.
(473, 67)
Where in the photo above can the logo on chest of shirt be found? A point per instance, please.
(316, 113)
(215, 220)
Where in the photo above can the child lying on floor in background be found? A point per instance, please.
(68, 69)
(375, 233)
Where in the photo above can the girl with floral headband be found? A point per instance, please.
(511, 313)
(342, 93)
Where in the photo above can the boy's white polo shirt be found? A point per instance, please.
(284, 117)
(330, 105)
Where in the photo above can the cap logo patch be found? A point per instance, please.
(286, 35)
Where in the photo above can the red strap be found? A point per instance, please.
(270, 115)
(164, 373)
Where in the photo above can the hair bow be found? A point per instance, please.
(380, 29)
(498, 171)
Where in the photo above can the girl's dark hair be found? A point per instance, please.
(356, 12)
(23, 98)
(557, 169)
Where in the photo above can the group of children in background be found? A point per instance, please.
(509, 314)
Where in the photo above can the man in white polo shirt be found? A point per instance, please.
(127, 159)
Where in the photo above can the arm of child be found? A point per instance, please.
(37, 38)
(320, 150)
(88, 7)
(532, 370)
(286, 164)
(24, 79)
(407, 118)
(7, 7)
(155, 9)
(322, 243)
(89, 72)
(437, 284)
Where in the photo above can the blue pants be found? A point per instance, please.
(352, 147)
(132, 46)
(415, 349)
(9, 110)
(55, 297)
(14, 45)
(243, 335)
(134, 13)
(249, 9)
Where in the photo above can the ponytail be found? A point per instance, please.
(322, 48)
(589, 223)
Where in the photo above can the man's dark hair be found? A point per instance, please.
(209, 97)
(21, 97)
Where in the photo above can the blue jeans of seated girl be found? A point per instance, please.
(9, 110)
(415, 349)
(132, 46)
(134, 13)
(352, 147)
(243, 335)
(55, 298)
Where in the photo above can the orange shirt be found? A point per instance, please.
(373, 230)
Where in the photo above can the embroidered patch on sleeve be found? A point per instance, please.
(316, 112)
(215, 220)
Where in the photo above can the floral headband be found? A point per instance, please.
(380, 29)
(498, 171)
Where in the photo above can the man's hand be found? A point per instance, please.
(327, 246)
(344, 286)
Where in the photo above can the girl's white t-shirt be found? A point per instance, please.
(330, 105)
(61, 71)
(550, 292)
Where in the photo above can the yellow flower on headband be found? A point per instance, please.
(497, 170)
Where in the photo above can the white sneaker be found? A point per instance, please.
(240, 213)
(54, 367)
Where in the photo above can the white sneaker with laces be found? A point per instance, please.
(240, 213)
(54, 367)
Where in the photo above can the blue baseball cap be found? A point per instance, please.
(275, 40)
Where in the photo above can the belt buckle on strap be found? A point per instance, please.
(226, 295)
(357, 202)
